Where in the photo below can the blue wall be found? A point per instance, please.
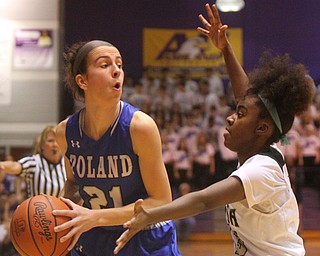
(286, 26)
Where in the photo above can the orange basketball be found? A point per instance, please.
(31, 228)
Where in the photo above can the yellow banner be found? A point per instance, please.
(186, 48)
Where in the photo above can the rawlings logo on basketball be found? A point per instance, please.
(41, 221)
(19, 226)
(32, 227)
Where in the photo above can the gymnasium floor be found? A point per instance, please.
(224, 248)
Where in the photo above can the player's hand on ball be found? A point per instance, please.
(137, 223)
(81, 221)
(32, 227)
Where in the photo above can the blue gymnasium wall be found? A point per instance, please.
(286, 26)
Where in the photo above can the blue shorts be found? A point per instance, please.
(160, 240)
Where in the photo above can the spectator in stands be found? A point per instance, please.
(212, 118)
(204, 96)
(167, 156)
(167, 80)
(139, 98)
(198, 114)
(215, 82)
(182, 167)
(11, 182)
(150, 84)
(224, 108)
(203, 162)
(310, 155)
(128, 87)
(191, 84)
(227, 159)
(163, 101)
(190, 131)
(184, 226)
(185, 99)
(8, 204)
(172, 135)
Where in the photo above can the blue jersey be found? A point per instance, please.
(106, 169)
(108, 174)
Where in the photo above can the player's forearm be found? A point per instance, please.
(237, 75)
(118, 216)
(185, 206)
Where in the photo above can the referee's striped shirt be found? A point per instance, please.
(42, 176)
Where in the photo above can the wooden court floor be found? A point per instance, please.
(222, 246)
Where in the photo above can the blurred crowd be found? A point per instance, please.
(191, 115)
(12, 193)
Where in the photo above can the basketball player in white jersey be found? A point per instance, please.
(261, 209)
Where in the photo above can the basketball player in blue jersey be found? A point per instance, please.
(113, 157)
(261, 209)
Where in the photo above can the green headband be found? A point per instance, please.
(271, 107)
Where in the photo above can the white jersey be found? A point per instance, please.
(266, 222)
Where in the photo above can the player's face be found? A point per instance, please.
(104, 73)
(240, 132)
(50, 148)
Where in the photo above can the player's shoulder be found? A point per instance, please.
(61, 135)
(143, 126)
(141, 120)
(61, 127)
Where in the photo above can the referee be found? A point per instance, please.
(44, 171)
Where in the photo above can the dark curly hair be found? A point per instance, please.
(284, 83)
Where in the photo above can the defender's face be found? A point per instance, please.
(241, 126)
